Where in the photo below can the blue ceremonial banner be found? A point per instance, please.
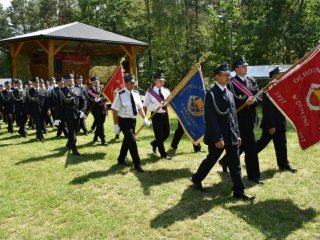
(188, 104)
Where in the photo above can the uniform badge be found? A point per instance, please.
(313, 97)
(195, 106)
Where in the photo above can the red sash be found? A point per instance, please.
(242, 88)
(96, 96)
(156, 96)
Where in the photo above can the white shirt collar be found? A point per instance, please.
(221, 87)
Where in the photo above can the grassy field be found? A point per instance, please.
(47, 193)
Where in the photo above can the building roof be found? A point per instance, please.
(76, 31)
(262, 71)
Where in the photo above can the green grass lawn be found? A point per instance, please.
(47, 193)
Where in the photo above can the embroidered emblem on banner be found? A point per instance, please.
(313, 97)
(195, 106)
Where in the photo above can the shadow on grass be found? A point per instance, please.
(115, 169)
(158, 177)
(71, 159)
(276, 219)
(193, 204)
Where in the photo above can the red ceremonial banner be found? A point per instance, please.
(297, 95)
(115, 84)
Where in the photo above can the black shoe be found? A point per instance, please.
(86, 133)
(166, 157)
(174, 147)
(288, 169)
(154, 147)
(95, 139)
(256, 180)
(40, 139)
(124, 163)
(224, 166)
(197, 185)
(243, 196)
(139, 169)
(103, 142)
(75, 152)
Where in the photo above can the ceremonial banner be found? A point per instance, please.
(297, 95)
(115, 84)
(188, 104)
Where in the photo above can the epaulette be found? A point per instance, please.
(121, 91)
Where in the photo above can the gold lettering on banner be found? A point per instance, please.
(301, 109)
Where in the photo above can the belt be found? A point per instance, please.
(165, 113)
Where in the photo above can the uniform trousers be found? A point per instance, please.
(72, 125)
(99, 119)
(21, 122)
(127, 126)
(10, 123)
(177, 137)
(249, 147)
(82, 125)
(233, 161)
(279, 143)
(161, 129)
(39, 121)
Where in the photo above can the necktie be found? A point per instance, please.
(162, 97)
(225, 93)
(134, 109)
(248, 83)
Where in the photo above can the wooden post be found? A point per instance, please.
(50, 58)
(133, 62)
(14, 53)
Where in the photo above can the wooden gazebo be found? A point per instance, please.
(71, 47)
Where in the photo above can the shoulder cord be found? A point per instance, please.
(238, 97)
(17, 99)
(216, 107)
(6, 99)
(32, 99)
(66, 100)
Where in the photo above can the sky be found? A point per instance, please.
(5, 3)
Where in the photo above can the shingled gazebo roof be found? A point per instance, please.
(76, 31)
(73, 38)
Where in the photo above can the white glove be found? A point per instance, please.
(57, 122)
(97, 99)
(146, 122)
(116, 129)
(81, 115)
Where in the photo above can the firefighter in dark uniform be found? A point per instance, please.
(98, 109)
(37, 103)
(72, 110)
(274, 128)
(160, 121)
(83, 88)
(56, 107)
(221, 133)
(20, 111)
(125, 107)
(244, 88)
(7, 103)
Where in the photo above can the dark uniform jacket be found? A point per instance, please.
(84, 99)
(271, 116)
(220, 127)
(97, 108)
(37, 102)
(247, 117)
(19, 100)
(7, 101)
(72, 102)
